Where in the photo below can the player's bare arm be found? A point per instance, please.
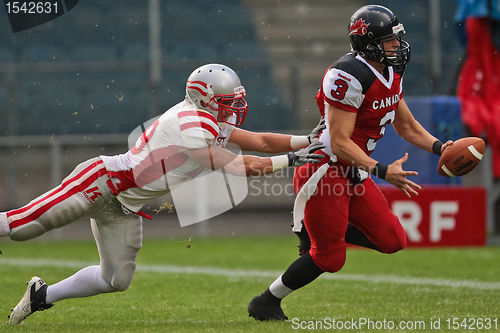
(217, 158)
(262, 142)
(341, 127)
(250, 165)
(273, 142)
(412, 131)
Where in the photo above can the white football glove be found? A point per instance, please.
(306, 155)
(313, 136)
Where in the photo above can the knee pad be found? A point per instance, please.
(27, 231)
(331, 260)
(122, 278)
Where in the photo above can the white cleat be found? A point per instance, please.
(32, 301)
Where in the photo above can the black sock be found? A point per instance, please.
(356, 237)
(301, 272)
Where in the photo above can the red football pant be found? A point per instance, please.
(336, 201)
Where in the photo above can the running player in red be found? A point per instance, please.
(361, 93)
(187, 141)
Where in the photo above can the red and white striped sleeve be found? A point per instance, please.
(198, 128)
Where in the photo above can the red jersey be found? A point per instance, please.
(353, 85)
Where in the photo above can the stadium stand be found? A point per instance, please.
(88, 58)
(280, 50)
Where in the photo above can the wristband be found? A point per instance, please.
(299, 141)
(436, 147)
(379, 170)
(280, 162)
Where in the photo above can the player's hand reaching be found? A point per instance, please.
(306, 155)
(314, 135)
(397, 177)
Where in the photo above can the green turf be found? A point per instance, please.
(175, 302)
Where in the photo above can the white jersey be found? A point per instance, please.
(157, 162)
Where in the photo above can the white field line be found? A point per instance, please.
(231, 273)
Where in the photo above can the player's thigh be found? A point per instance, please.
(119, 238)
(325, 218)
(63, 204)
(370, 212)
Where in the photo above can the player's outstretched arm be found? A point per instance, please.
(250, 165)
(274, 142)
(412, 131)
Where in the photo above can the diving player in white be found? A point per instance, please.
(186, 141)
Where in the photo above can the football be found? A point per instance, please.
(461, 157)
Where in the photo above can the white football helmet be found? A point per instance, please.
(217, 89)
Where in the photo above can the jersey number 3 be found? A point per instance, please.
(387, 119)
(339, 92)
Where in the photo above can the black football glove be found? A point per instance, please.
(313, 136)
(306, 155)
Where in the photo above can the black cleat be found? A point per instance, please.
(265, 311)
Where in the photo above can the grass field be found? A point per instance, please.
(206, 287)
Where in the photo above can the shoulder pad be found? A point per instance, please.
(198, 129)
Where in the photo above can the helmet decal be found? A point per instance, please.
(200, 86)
(398, 29)
(358, 28)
